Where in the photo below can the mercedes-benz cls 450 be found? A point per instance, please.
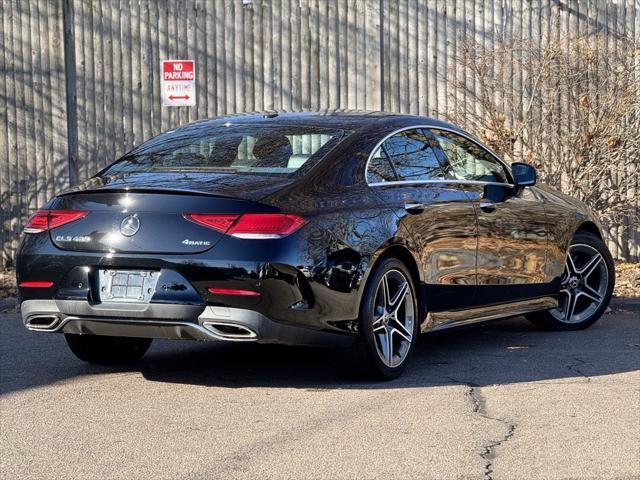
(354, 228)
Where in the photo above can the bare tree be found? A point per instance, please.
(571, 108)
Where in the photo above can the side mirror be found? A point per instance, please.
(524, 175)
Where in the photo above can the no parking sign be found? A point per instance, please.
(178, 83)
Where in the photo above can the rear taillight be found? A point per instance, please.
(250, 225)
(219, 222)
(265, 225)
(43, 220)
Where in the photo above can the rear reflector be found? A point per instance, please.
(43, 220)
(250, 225)
(36, 284)
(233, 291)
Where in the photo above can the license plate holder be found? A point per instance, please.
(127, 286)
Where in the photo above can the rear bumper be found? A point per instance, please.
(170, 321)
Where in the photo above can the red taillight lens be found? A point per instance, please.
(36, 284)
(43, 220)
(250, 225)
(58, 218)
(265, 225)
(39, 222)
(219, 222)
(234, 291)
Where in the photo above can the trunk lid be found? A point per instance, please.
(145, 214)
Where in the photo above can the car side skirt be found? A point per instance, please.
(442, 298)
(456, 318)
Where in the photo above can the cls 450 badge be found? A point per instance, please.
(74, 238)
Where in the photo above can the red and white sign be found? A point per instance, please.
(178, 83)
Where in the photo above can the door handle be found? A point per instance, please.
(487, 206)
(413, 207)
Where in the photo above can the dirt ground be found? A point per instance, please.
(7, 283)
(627, 280)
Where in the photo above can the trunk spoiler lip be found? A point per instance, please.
(174, 191)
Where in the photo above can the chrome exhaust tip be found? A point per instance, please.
(42, 322)
(230, 331)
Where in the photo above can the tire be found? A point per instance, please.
(581, 289)
(102, 350)
(368, 357)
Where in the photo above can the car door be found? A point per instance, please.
(407, 173)
(512, 229)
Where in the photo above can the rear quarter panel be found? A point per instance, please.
(352, 228)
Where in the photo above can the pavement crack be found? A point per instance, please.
(479, 403)
(488, 453)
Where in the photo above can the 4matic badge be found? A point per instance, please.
(203, 243)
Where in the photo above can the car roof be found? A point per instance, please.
(351, 120)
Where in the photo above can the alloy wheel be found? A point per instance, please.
(394, 318)
(584, 284)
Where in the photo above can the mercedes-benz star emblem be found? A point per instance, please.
(130, 225)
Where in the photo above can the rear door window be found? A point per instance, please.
(380, 168)
(407, 156)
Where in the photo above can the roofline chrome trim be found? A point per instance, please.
(435, 127)
(423, 182)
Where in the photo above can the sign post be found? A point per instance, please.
(178, 83)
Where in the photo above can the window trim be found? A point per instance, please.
(452, 181)
(422, 182)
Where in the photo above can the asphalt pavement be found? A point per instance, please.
(502, 400)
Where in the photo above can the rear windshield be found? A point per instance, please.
(251, 149)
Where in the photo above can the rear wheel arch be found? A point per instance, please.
(404, 255)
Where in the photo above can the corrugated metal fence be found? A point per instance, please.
(80, 79)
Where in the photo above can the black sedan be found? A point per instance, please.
(352, 228)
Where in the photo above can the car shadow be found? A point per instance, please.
(506, 351)
(499, 352)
